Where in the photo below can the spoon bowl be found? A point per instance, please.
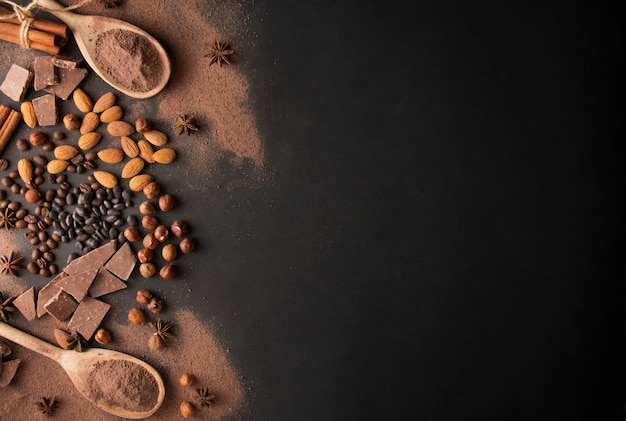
(100, 375)
(126, 71)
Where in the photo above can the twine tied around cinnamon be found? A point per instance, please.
(26, 17)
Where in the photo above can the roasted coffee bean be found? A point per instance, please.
(48, 146)
(91, 156)
(35, 254)
(34, 241)
(49, 256)
(16, 189)
(39, 180)
(14, 206)
(32, 267)
(52, 243)
(22, 144)
(70, 199)
(45, 272)
(20, 224)
(53, 268)
(21, 213)
(43, 247)
(58, 136)
(71, 168)
(43, 235)
(14, 174)
(50, 195)
(40, 160)
(3, 195)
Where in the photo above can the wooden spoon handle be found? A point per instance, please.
(30, 342)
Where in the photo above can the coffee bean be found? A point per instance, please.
(4, 164)
(22, 144)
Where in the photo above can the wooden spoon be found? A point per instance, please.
(86, 30)
(80, 365)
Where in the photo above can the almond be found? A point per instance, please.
(164, 156)
(28, 114)
(25, 170)
(65, 152)
(111, 155)
(57, 166)
(133, 167)
(111, 114)
(89, 140)
(107, 179)
(155, 137)
(138, 182)
(90, 122)
(107, 100)
(129, 146)
(82, 100)
(120, 128)
(145, 151)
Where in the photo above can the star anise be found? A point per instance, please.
(206, 398)
(7, 219)
(219, 53)
(108, 4)
(185, 124)
(47, 405)
(6, 307)
(10, 264)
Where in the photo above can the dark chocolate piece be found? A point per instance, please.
(66, 62)
(25, 303)
(88, 317)
(123, 262)
(46, 110)
(68, 81)
(45, 73)
(78, 285)
(61, 306)
(9, 368)
(47, 292)
(16, 82)
(105, 283)
(92, 260)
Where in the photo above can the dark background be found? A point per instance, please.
(440, 236)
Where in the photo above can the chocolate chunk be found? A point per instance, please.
(48, 292)
(66, 62)
(61, 306)
(105, 283)
(68, 81)
(9, 368)
(78, 285)
(25, 303)
(45, 73)
(123, 262)
(16, 82)
(92, 260)
(46, 110)
(88, 317)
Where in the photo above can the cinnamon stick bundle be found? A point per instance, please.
(43, 35)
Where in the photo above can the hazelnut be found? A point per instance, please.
(149, 222)
(186, 409)
(168, 272)
(32, 195)
(147, 269)
(166, 202)
(187, 245)
(150, 242)
(71, 122)
(155, 342)
(186, 380)
(145, 255)
(152, 190)
(169, 252)
(179, 228)
(155, 305)
(37, 138)
(143, 296)
(147, 208)
(136, 316)
(142, 125)
(132, 234)
(161, 233)
(103, 336)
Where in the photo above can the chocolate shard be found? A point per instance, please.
(78, 285)
(105, 283)
(66, 62)
(25, 303)
(9, 368)
(47, 292)
(122, 263)
(61, 306)
(88, 317)
(92, 260)
(16, 82)
(69, 79)
(46, 110)
(45, 73)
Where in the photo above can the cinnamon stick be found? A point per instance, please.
(4, 114)
(50, 49)
(13, 30)
(56, 28)
(8, 128)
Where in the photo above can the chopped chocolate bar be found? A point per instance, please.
(105, 283)
(45, 73)
(88, 317)
(25, 303)
(16, 82)
(68, 81)
(61, 306)
(66, 62)
(47, 292)
(9, 368)
(78, 285)
(122, 263)
(92, 260)
(46, 110)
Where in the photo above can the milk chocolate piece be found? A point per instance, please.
(78, 285)
(88, 317)
(9, 368)
(46, 110)
(25, 303)
(61, 306)
(68, 81)
(48, 292)
(105, 283)
(123, 262)
(45, 73)
(92, 260)
(16, 82)
(66, 62)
